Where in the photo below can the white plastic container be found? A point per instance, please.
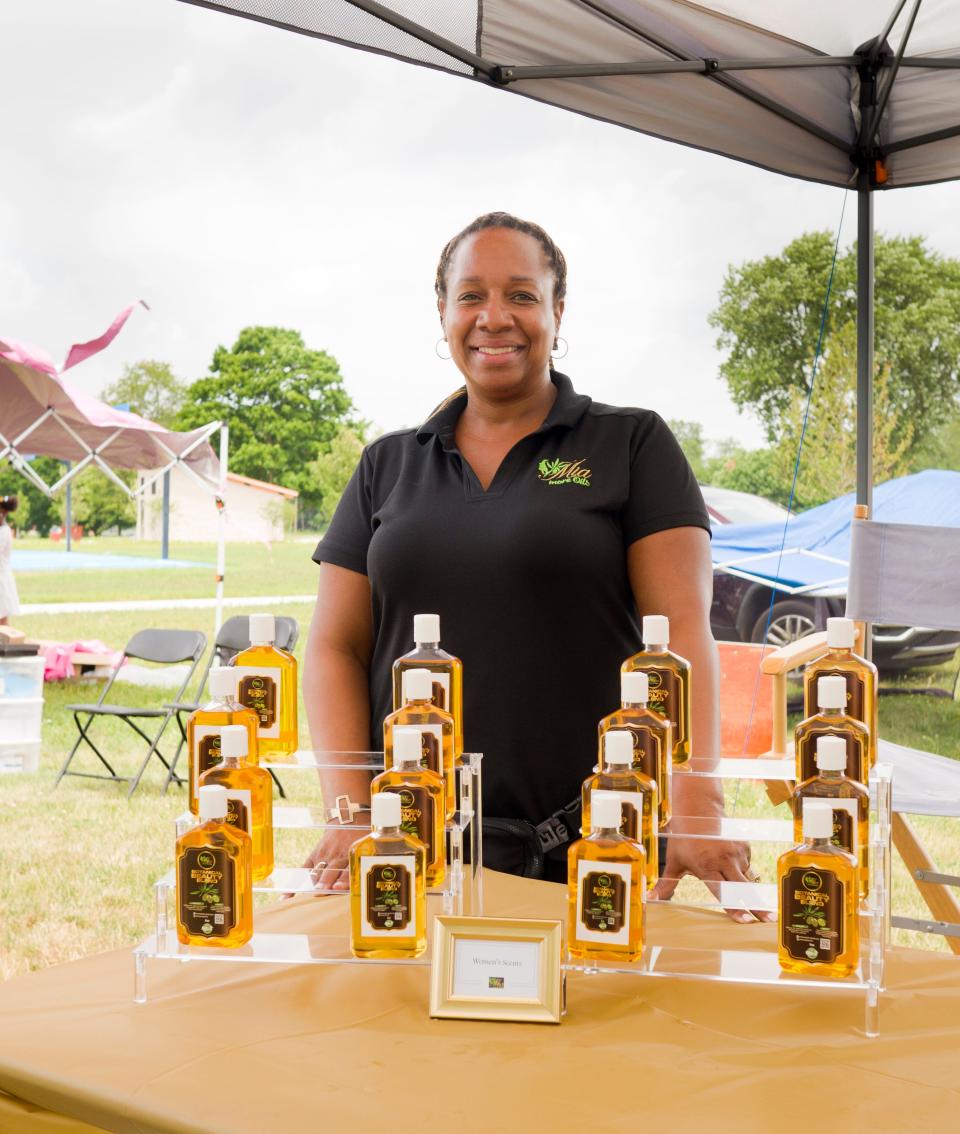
(21, 677)
(20, 721)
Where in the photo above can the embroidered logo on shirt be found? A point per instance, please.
(564, 472)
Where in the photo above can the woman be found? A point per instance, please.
(539, 525)
(9, 603)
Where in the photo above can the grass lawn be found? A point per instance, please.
(252, 569)
(77, 864)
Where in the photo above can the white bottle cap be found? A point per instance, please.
(234, 741)
(606, 811)
(841, 633)
(407, 745)
(417, 685)
(656, 630)
(817, 819)
(634, 687)
(618, 747)
(385, 809)
(832, 692)
(831, 753)
(426, 628)
(263, 630)
(212, 802)
(222, 682)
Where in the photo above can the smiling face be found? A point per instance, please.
(499, 314)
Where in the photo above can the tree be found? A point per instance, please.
(150, 389)
(690, 436)
(759, 471)
(99, 504)
(769, 320)
(36, 509)
(284, 404)
(828, 464)
(334, 467)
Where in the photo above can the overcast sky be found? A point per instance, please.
(231, 173)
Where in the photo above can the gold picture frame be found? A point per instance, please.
(494, 968)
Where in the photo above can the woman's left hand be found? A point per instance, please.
(713, 861)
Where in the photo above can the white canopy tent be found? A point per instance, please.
(862, 94)
(43, 414)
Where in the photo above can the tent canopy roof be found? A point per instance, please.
(776, 85)
(42, 413)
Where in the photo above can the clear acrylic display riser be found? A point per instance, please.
(761, 967)
(460, 894)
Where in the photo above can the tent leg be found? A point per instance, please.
(221, 525)
(865, 278)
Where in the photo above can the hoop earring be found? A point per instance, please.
(566, 346)
(436, 350)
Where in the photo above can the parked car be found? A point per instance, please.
(741, 606)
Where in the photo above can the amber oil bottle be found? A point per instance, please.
(652, 741)
(214, 895)
(204, 725)
(249, 796)
(435, 727)
(445, 669)
(832, 720)
(859, 674)
(388, 901)
(668, 677)
(606, 890)
(421, 800)
(636, 791)
(849, 800)
(267, 683)
(818, 926)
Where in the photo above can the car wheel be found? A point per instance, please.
(791, 619)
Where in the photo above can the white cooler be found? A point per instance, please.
(21, 713)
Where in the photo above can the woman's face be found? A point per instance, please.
(499, 315)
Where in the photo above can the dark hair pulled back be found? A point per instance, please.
(9, 503)
(555, 258)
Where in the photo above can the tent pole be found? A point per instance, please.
(68, 511)
(865, 277)
(165, 533)
(221, 525)
(864, 345)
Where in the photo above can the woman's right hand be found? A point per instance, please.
(328, 862)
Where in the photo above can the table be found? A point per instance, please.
(247, 1049)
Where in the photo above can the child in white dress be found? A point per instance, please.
(9, 603)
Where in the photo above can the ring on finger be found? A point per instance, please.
(751, 875)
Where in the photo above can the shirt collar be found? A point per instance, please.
(567, 409)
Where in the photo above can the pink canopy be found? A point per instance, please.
(42, 413)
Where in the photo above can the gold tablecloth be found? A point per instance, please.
(259, 1048)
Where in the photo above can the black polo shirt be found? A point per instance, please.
(529, 578)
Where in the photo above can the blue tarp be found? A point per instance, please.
(817, 546)
(41, 560)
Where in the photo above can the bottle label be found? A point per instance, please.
(431, 746)
(647, 746)
(807, 753)
(417, 815)
(259, 689)
(811, 914)
(206, 892)
(441, 690)
(845, 825)
(239, 809)
(604, 902)
(632, 804)
(856, 692)
(206, 748)
(387, 889)
(666, 698)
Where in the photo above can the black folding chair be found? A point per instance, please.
(163, 647)
(232, 637)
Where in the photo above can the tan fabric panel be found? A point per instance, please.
(247, 1049)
